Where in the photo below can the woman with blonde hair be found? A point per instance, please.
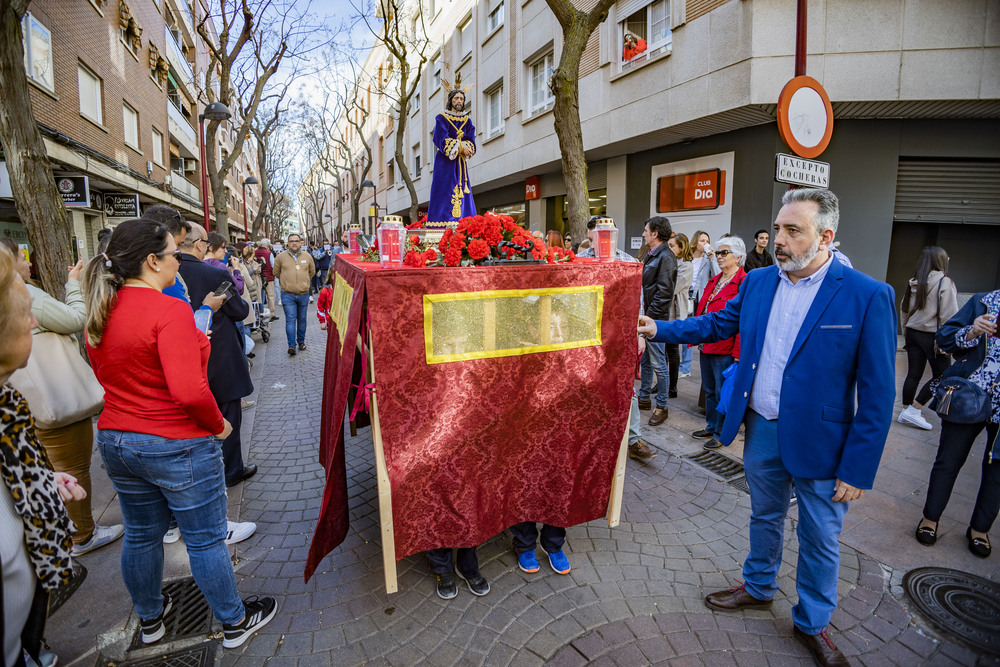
(680, 307)
(160, 432)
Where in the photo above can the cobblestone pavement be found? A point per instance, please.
(634, 595)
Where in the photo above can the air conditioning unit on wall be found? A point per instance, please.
(190, 166)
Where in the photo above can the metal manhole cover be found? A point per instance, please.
(718, 463)
(190, 616)
(201, 655)
(959, 603)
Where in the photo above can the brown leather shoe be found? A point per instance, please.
(644, 405)
(823, 648)
(658, 417)
(734, 599)
(640, 451)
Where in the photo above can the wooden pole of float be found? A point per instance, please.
(384, 489)
(618, 483)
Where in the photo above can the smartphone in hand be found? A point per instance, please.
(223, 288)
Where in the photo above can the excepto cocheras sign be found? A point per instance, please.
(800, 171)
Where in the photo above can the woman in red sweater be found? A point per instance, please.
(160, 430)
(716, 357)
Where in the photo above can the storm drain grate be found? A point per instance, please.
(744, 486)
(718, 463)
(961, 604)
(190, 616)
(201, 655)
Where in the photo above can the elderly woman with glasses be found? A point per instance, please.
(716, 357)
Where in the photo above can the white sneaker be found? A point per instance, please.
(171, 535)
(103, 536)
(913, 417)
(683, 375)
(237, 532)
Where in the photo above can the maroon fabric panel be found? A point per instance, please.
(473, 447)
(332, 525)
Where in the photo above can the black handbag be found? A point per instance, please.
(961, 401)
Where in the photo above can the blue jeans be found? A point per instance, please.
(634, 422)
(318, 281)
(156, 477)
(654, 361)
(820, 523)
(712, 366)
(295, 307)
(685, 366)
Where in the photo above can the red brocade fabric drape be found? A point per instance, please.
(473, 447)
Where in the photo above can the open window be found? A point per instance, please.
(645, 33)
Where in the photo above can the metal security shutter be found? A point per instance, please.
(597, 175)
(948, 191)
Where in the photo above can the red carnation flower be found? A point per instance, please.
(431, 255)
(478, 249)
(452, 256)
(414, 239)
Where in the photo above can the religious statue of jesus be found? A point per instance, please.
(455, 142)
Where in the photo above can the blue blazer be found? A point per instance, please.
(844, 356)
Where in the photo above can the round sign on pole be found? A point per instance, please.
(805, 116)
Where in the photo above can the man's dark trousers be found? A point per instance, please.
(439, 561)
(232, 447)
(526, 537)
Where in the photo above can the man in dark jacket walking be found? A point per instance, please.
(758, 257)
(659, 274)
(228, 373)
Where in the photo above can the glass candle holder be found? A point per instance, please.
(391, 242)
(607, 240)
(353, 232)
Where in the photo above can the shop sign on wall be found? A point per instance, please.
(696, 194)
(120, 205)
(75, 190)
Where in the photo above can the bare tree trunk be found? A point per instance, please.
(566, 88)
(38, 202)
(577, 26)
(404, 170)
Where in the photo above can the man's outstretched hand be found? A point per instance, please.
(647, 326)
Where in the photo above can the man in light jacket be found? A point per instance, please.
(294, 268)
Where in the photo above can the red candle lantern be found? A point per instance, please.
(391, 241)
(607, 240)
(353, 232)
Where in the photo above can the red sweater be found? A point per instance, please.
(710, 305)
(323, 303)
(152, 363)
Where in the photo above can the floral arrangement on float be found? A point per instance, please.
(473, 241)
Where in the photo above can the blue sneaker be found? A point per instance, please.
(559, 562)
(527, 561)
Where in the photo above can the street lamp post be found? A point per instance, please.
(249, 180)
(214, 111)
(368, 184)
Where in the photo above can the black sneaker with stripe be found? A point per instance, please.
(258, 612)
(152, 630)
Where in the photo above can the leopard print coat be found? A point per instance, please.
(28, 474)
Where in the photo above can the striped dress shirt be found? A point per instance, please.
(788, 311)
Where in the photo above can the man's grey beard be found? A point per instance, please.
(799, 262)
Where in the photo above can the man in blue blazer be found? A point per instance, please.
(815, 336)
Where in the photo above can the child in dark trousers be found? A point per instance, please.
(466, 567)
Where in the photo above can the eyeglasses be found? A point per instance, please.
(723, 253)
(175, 253)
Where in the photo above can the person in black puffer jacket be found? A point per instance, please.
(659, 274)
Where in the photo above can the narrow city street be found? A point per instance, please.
(634, 595)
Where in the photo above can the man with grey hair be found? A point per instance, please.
(815, 387)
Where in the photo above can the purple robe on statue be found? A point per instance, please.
(451, 194)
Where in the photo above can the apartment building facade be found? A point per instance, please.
(115, 90)
(915, 87)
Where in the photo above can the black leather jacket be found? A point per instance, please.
(659, 274)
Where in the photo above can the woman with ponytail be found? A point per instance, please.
(160, 429)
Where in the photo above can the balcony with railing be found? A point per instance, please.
(175, 56)
(182, 186)
(181, 130)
